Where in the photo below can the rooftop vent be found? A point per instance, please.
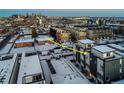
(6, 57)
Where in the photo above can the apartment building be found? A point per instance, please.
(97, 33)
(120, 51)
(85, 46)
(30, 71)
(24, 43)
(105, 64)
(60, 34)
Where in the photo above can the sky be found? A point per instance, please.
(66, 12)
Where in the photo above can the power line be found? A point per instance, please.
(64, 46)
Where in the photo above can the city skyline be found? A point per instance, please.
(66, 12)
(39, 49)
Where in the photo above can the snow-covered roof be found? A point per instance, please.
(6, 69)
(1, 39)
(66, 73)
(43, 38)
(120, 53)
(45, 57)
(121, 44)
(61, 67)
(114, 40)
(46, 71)
(24, 40)
(30, 65)
(5, 49)
(68, 79)
(119, 49)
(45, 47)
(12, 39)
(86, 41)
(67, 53)
(103, 48)
(116, 47)
(22, 49)
(28, 38)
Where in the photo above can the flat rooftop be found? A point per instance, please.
(86, 41)
(43, 38)
(28, 38)
(21, 50)
(12, 40)
(121, 44)
(24, 40)
(68, 79)
(61, 66)
(118, 47)
(6, 68)
(115, 40)
(45, 47)
(29, 65)
(5, 49)
(66, 73)
(103, 48)
(1, 39)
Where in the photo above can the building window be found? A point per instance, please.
(34, 78)
(31, 79)
(101, 67)
(120, 61)
(120, 70)
(107, 79)
(89, 45)
(108, 54)
(37, 78)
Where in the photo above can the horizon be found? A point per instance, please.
(65, 12)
